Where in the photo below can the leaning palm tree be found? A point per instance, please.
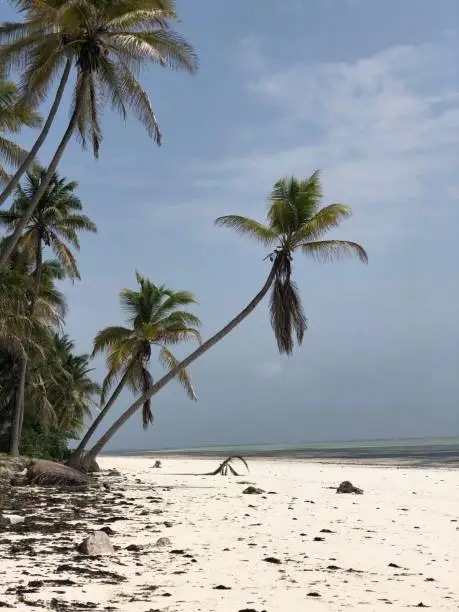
(14, 115)
(295, 223)
(107, 43)
(156, 319)
(55, 223)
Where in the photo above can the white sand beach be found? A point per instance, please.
(398, 543)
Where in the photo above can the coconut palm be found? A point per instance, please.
(295, 223)
(55, 223)
(25, 337)
(72, 391)
(107, 43)
(14, 115)
(156, 319)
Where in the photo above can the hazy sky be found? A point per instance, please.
(368, 92)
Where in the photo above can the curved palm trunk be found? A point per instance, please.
(18, 414)
(95, 424)
(41, 138)
(13, 239)
(95, 450)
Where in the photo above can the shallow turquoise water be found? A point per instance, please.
(415, 451)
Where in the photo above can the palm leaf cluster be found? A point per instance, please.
(58, 390)
(156, 318)
(14, 116)
(295, 222)
(107, 42)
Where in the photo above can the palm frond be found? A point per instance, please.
(334, 250)
(287, 314)
(169, 362)
(109, 337)
(322, 222)
(266, 235)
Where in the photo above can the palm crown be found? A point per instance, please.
(295, 222)
(13, 117)
(56, 221)
(107, 41)
(156, 319)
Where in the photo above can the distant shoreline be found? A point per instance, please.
(433, 452)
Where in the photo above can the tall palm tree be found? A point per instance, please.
(108, 43)
(56, 221)
(295, 223)
(14, 115)
(155, 319)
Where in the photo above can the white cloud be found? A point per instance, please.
(383, 129)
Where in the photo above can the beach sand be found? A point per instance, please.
(398, 543)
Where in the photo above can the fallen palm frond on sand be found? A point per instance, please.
(225, 467)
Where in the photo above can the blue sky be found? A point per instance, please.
(368, 92)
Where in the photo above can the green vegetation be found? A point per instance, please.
(47, 394)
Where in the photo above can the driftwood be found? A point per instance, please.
(47, 473)
(225, 467)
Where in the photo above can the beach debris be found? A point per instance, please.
(347, 487)
(96, 544)
(225, 467)
(221, 587)
(163, 542)
(252, 491)
(11, 519)
(108, 530)
(94, 574)
(157, 464)
(6, 473)
(48, 473)
(274, 560)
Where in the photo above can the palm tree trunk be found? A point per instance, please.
(18, 414)
(95, 424)
(95, 450)
(38, 272)
(41, 138)
(13, 239)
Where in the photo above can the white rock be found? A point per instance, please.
(14, 519)
(96, 544)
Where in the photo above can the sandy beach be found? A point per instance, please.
(298, 546)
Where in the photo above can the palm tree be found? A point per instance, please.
(295, 223)
(108, 43)
(154, 320)
(72, 392)
(25, 337)
(14, 115)
(56, 221)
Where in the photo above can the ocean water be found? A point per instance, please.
(420, 452)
